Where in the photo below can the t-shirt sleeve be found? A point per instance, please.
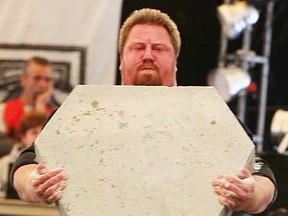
(261, 167)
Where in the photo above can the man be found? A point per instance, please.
(149, 44)
(37, 87)
(30, 126)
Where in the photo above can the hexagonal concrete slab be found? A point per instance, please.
(143, 151)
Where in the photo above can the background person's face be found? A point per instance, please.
(148, 57)
(38, 78)
(28, 138)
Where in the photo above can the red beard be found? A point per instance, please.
(147, 74)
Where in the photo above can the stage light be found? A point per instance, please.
(279, 129)
(229, 81)
(234, 18)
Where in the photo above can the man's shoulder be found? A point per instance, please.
(12, 101)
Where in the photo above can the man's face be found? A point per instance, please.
(148, 57)
(37, 79)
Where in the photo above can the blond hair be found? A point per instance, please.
(37, 60)
(153, 17)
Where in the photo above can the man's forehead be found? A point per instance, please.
(34, 67)
(148, 31)
(149, 34)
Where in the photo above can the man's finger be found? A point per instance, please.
(52, 180)
(40, 179)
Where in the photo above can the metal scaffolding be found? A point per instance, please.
(246, 61)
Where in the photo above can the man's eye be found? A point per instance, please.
(138, 48)
(159, 49)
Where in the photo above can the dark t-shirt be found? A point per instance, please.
(28, 156)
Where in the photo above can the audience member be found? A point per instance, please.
(37, 86)
(30, 126)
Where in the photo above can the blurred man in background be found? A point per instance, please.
(37, 86)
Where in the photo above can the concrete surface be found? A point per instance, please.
(139, 151)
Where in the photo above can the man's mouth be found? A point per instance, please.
(148, 67)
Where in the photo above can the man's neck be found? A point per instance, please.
(27, 99)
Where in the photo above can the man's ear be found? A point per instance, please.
(120, 64)
(175, 67)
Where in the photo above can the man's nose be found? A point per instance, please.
(148, 54)
(43, 83)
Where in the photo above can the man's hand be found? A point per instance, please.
(47, 185)
(34, 183)
(244, 192)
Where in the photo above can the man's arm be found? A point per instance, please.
(33, 182)
(263, 195)
(250, 192)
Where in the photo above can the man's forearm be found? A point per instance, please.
(22, 183)
(263, 195)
